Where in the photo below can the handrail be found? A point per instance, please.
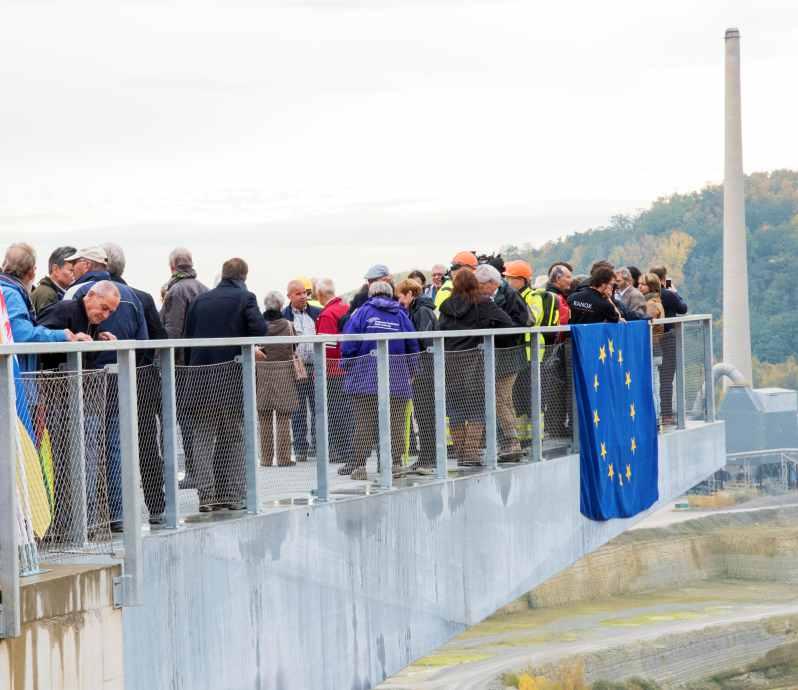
(118, 345)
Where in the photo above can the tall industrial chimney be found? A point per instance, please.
(736, 318)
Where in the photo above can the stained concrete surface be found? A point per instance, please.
(344, 594)
(71, 635)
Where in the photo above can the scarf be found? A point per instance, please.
(180, 274)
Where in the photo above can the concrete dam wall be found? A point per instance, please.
(344, 594)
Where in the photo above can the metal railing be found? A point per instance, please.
(462, 386)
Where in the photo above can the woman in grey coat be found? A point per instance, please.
(276, 388)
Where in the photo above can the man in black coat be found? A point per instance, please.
(214, 394)
(673, 305)
(148, 392)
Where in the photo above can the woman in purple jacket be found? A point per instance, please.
(380, 314)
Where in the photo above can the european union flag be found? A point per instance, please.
(617, 422)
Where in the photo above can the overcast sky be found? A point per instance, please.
(321, 137)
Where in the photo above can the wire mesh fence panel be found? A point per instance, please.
(150, 427)
(66, 462)
(465, 406)
(664, 372)
(694, 368)
(556, 395)
(359, 394)
(283, 390)
(419, 452)
(513, 402)
(210, 417)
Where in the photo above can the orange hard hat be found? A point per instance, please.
(465, 258)
(518, 269)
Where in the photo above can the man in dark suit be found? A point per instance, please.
(215, 386)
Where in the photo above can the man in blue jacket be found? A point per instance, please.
(19, 272)
(215, 393)
(380, 314)
(128, 322)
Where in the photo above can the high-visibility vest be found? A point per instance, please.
(535, 303)
(444, 293)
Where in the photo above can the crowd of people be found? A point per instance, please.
(84, 297)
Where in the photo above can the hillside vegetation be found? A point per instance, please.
(685, 232)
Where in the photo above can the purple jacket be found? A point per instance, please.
(379, 315)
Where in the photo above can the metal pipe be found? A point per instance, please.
(251, 432)
(384, 413)
(439, 375)
(536, 446)
(322, 421)
(489, 358)
(133, 573)
(169, 430)
(681, 393)
(9, 549)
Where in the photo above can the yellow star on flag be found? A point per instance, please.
(628, 473)
(620, 356)
(596, 419)
(595, 383)
(602, 354)
(603, 450)
(628, 379)
(634, 445)
(611, 472)
(632, 411)
(612, 347)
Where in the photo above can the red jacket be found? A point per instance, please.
(328, 322)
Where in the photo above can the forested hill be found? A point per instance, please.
(685, 233)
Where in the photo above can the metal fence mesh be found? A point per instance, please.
(694, 368)
(78, 450)
(67, 470)
(465, 406)
(210, 410)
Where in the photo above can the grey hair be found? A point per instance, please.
(20, 259)
(180, 257)
(325, 285)
(625, 272)
(274, 301)
(486, 273)
(105, 288)
(379, 288)
(116, 259)
(557, 272)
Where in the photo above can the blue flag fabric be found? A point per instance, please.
(618, 454)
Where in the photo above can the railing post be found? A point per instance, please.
(77, 452)
(536, 436)
(384, 413)
(131, 580)
(574, 410)
(489, 359)
(9, 549)
(169, 428)
(681, 394)
(709, 385)
(322, 421)
(439, 375)
(251, 434)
